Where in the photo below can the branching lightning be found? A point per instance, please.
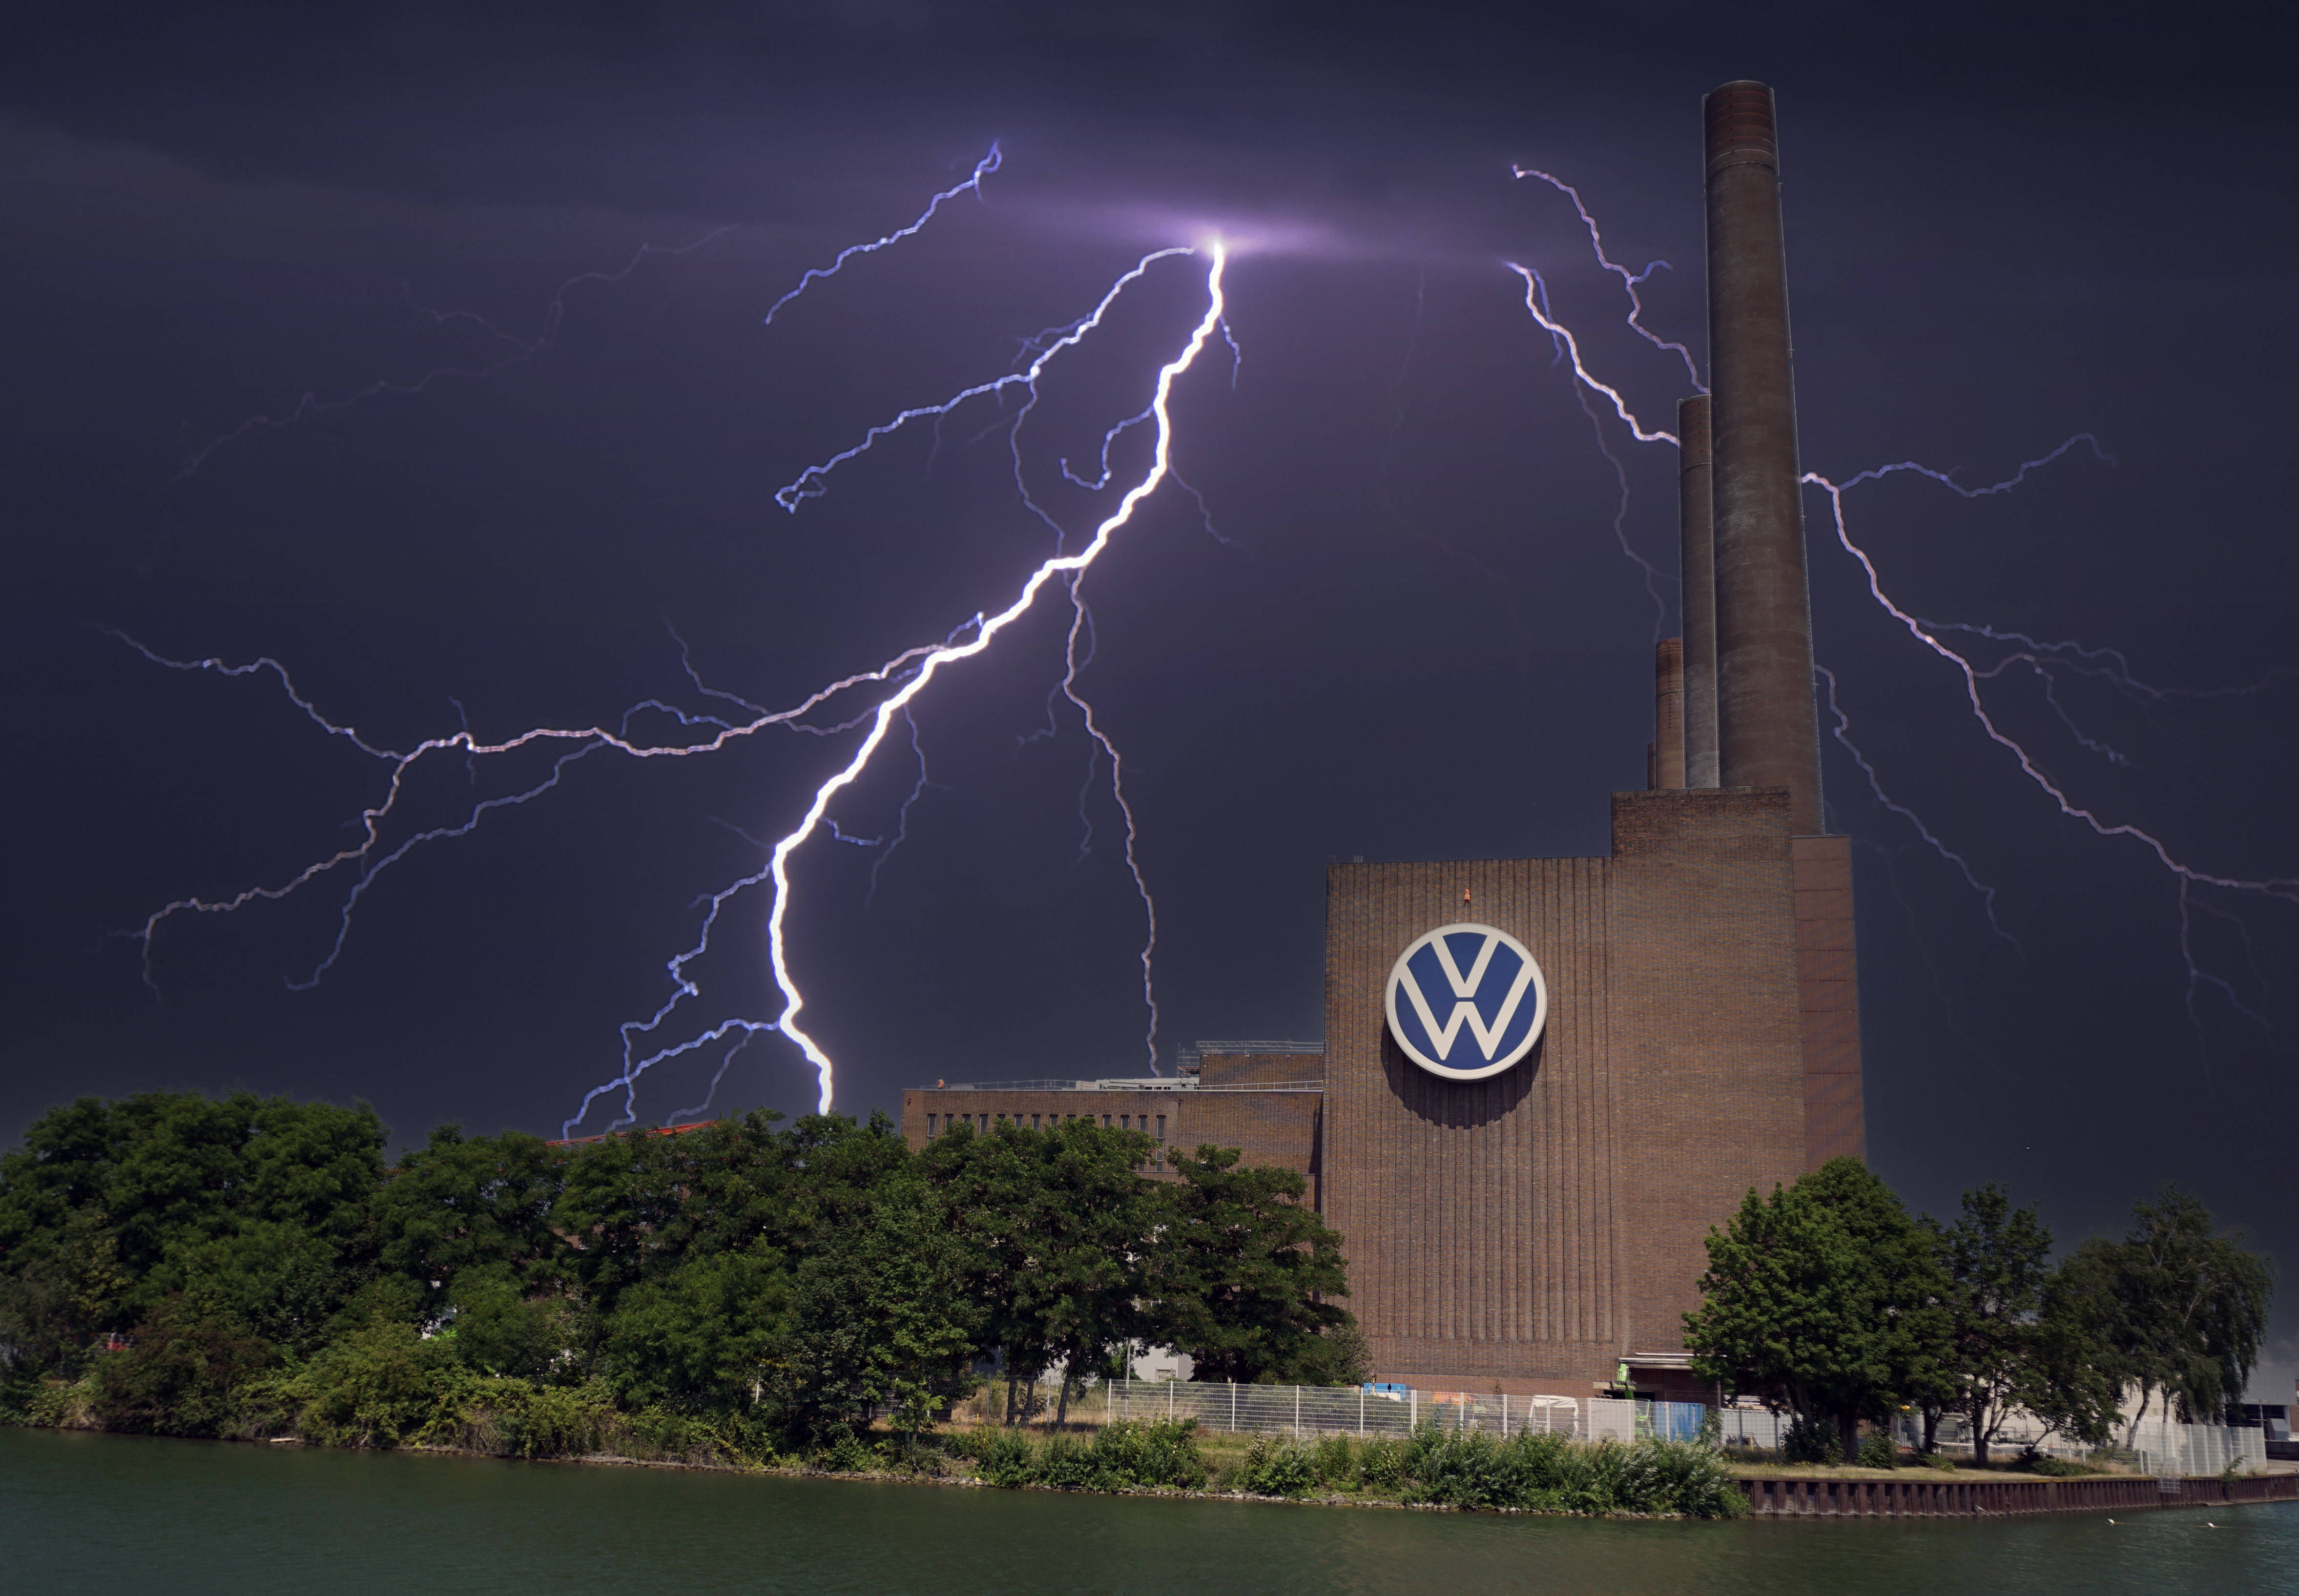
(981, 169)
(1842, 731)
(1630, 281)
(656, 729)
(906, 675)
(2043, 658)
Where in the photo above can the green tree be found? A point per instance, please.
(2072, 1380)
(2175, 1308)
(261, 1205)
(1058, 1226)
(498, 1328)
(1823, 1300)
(880, 1314)
(702, 1336)
(1048, 1280)
(483, 1203)
(641, 1205)
(1241, 1269)
(1995, 1259)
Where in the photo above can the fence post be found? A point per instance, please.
(1413, 1415)
(1361, 1396)
(1233, 1407)
(1169, 1400)
(1297, 1412)
(1503, 1408)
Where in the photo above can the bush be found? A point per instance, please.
(1125, 1456)
(1005, 1457)
(843, 1452)
(1878, 1452)
(516, 1418)
(377, 1387)
(1550, 1473)
(1161, 1454)
(1336, 1461)
(1274, 1465)
(1382, 1464)
(180, 1377)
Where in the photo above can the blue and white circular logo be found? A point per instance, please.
(1487, 991)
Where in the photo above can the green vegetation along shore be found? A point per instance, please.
(740, 1292)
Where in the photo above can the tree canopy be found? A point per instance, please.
(171, 1252)
(1829, 1302)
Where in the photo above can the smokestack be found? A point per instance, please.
(1767, 726)
(1667, 768)
(1696, 565)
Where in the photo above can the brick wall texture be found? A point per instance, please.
(1532, 1228)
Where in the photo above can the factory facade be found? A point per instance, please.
(1544, 1080)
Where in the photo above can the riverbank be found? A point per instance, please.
(1433, 1467)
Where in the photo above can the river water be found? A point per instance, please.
(112, 1513)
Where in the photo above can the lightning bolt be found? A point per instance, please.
(981, 169)
(1081, 624)
(934, 661)
(906, 675)
(2044, 657)
(1630, 281)
(1843, 732)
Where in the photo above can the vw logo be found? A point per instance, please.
(1488, 991)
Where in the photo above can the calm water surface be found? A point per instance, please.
(109, 1513)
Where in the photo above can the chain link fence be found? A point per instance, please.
(1306, 1411)
(2167, 1450)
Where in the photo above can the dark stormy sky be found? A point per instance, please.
(1416, 636)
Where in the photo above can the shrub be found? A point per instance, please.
(180, 1375)
(1005, 1457)
(1274, 1465)
(1877, 1452)
(1161, 1454)
(1382, 1464)
(516, 1418)
(1551, 1472)
(1336, 1461)
(843, 1452)
(376, 1387)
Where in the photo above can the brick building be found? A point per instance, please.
(1523, 1182)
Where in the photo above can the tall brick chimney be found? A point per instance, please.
(1767, 725)
(1768, 732)
(1696, 565)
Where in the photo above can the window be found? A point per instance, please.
(930, 1127)
(1105, 1122)
(1034, 1122)
(1161, 1128)
(984, 1119)
(1125, 1122)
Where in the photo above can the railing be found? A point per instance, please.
(1309, 1410)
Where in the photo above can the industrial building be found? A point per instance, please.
(1543, 1080)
